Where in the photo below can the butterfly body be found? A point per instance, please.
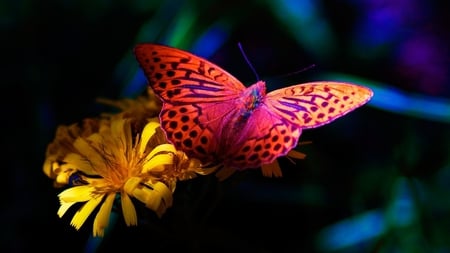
(249, 100)
(212, 116)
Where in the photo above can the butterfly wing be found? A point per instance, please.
(197, 96)
(200, 130)
(275, 126)
(267, 136)
(314, 104)
(179, 77)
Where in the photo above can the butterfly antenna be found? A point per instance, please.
(299, 71)
(248, 61)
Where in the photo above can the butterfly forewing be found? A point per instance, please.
(178, 76)
(314, 104)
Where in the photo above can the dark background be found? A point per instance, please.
(376, 180)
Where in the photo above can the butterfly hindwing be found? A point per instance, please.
(202, 130)
(185, 132)
(267, 137)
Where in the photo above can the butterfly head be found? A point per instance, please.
(253, 96)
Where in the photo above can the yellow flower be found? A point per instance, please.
(114, 162)
(62, 145)
(118, 156)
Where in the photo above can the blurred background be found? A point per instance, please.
(376, 180)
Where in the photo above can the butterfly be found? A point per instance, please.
(210, 115)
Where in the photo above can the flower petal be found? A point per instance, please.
(147, 133)
(101, 220)
(296, 154)
(156, 196)
(160, 196)
(166, 148)
(78, 162)
(89, 154)
(157, 163)
(50, 165)
(64, 207)
(80, 193)
(271, 169)
(225, 173)
(129, 212)
(133, 188)
(121, 133)
(83, 213)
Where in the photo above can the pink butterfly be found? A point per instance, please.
(212, 116)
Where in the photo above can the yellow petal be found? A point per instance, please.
(83, 213)
(49, 165)
(95, 138)
(78, 162)
(64, 173)
(166, 194)
(155, 196)
(296, 154)
(225, 173)
(64, 207)
(101, 220)
(271, 169)
(121, 132)
(160, 192)
(80, 193)
(117, 127)
(165, 148)
(147, 133)
(129, 212)
(195, 165)
(157, 162)
(134, 188)
(90, 154)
